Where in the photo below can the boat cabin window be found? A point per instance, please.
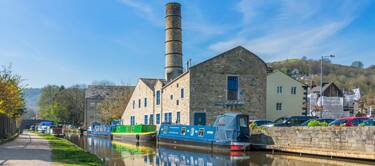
(201, 132)
(221, 121)
(165, 130)
(243, 122)
(183, 130)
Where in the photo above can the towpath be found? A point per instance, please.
(27, 149)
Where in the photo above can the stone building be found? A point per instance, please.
(94, 95)
(285, 96)
(232, 81)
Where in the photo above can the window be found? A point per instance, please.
(201, 132)
(168, 117)
(293, 90)
(132, 120)
(244, 122)
(279, 90)
(279, 106)
(146, 120)
(182, 93)
(183, 130)
(139, 103)
(178, 117)
(158, 97)
(232, 88)
(177, 102)
(133, 104)
(200, 118)
(145, 102)
(171, 97)
(151, 119)
(157, 118)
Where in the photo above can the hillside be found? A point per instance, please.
(346, 77)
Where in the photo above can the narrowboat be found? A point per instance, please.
(100, 131)
(230, 132)
(135, 134)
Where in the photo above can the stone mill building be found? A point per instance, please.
(231, 81)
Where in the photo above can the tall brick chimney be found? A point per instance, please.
(173, 41)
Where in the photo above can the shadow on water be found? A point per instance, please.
(118, 154)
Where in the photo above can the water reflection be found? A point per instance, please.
(119, 154)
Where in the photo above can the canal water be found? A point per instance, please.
(120, 154)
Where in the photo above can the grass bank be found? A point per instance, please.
(67, 153)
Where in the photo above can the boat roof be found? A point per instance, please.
(233, 113)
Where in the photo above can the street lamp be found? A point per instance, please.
(321, 81)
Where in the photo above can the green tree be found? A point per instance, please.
(357, 64)
(11, 101)
(73, 100)
(46, 102)
(61, 104)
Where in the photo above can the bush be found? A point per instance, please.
(313, 123)
(316, 123)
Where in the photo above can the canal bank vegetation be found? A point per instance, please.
(12, 102)
(67, 153)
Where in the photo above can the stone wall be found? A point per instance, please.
(351, 142)
(208, 83)
(136, 106)
(173, 102)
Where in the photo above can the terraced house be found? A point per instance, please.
(232, 81)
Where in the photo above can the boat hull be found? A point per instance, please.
(135, 138)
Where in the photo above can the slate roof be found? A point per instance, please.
(101, 91)
(150, 82)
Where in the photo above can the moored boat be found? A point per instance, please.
(101, 131)
(230, 132)
(136, 134)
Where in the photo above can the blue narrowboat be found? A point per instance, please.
(230, 132)
(100, 130)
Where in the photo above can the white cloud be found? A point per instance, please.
(144, 10)
(292, 29)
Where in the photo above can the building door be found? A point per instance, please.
(199, 118)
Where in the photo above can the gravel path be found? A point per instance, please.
(26, 150)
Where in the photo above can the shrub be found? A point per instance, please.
(313, 123)
(317, 123)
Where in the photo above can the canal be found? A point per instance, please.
(120, 154)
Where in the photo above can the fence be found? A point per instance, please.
(8, 127)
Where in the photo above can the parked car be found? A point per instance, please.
(261, 122)
(369, 122)
(319, 120)
(291, 121)
(349, 121)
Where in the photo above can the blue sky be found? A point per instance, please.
(79, 41)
